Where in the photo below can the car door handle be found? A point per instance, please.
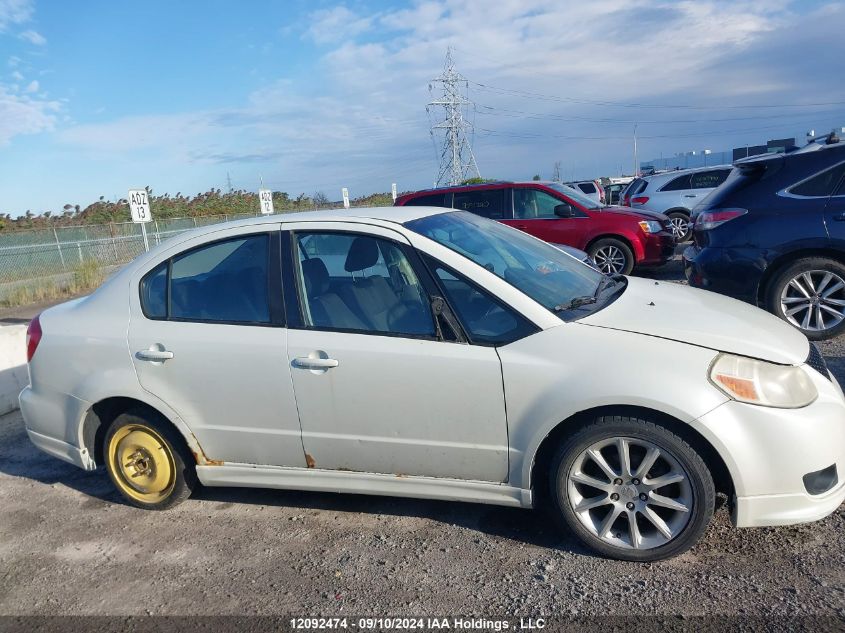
(690, 195)
(305, 362)
(521, 226)
(154, 355)
(839, 217)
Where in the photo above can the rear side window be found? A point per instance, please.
(708, 179)
(223, 282)
(488, 203)
(678, 184)
(587, 187)
(433, 200)
(821, 185)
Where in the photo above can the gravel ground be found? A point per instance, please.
(68, 546)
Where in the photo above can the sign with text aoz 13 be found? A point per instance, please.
(139, 206)
(266, 198)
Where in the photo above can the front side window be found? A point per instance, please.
(531, 204)
(485, 319)
(488, 203)
(546, 274)
(573, 194)
(708, 179)
(820, 185)
(224, 281)
(350, 281)
(680, 183)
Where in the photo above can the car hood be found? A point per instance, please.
(699, 317)
(636, 213)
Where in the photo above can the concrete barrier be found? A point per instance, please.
(13, 373)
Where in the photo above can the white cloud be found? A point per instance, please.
(32, 86)
(24, 115)
(33, 37)
(337, 25)
(17, 76)
(14, 12)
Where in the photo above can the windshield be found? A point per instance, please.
(543, 272)
(585, 201)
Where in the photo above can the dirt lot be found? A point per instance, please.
(68, 546)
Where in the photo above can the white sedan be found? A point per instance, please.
(422, 352)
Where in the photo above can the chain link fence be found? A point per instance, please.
(51, 257)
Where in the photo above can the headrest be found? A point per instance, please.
(362, 254)
(316, 276)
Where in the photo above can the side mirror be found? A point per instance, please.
(564, 211)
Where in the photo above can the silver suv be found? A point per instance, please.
(675, 193)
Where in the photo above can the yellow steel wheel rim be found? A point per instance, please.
(142, 463)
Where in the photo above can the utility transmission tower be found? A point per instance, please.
(457, 161)
(556, 174)
(229, 183)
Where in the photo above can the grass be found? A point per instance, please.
(87, 275)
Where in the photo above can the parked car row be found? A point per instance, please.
(616, 238)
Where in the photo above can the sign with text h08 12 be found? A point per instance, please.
(139, 206)
(266, 198)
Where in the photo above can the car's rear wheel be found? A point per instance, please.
(146, 461)
(632, 490)
(810, 295)
(612, 256)
(680, 226)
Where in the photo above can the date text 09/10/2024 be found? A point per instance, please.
(415, 623)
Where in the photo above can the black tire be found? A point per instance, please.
(698, 487)
(161, 453)
(606, 245)
(816, 267)
(680, 215)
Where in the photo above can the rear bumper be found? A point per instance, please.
(732, 272)
(49, 424)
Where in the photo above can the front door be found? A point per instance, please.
(206, 338)
(534, 213)
(377, 389)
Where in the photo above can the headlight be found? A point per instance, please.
(650, 226)
(759, 382)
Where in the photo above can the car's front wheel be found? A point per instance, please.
(612, 256)
(810, 295)
(632, 490)
(147, 462)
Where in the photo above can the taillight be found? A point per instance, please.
(33, 338)
(711, 219)
(602, 197)
(626, 201)
(640, 200)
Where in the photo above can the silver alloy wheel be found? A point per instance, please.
(630, 493)
(814, 300)
(610, 259)
(680, 228)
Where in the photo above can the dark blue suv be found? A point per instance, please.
(773, 234)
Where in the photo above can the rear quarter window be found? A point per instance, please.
(821, 185)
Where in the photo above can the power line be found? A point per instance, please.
(456, 158)
(619, 104)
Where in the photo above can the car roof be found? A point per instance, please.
(482, 185)
(680, 172)
(397, 215)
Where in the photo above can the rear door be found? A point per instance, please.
(534, 213)
(207, 336)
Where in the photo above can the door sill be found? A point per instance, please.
(248, 476)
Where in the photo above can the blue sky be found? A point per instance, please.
(97, 97)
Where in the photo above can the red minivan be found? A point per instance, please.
(617, 238)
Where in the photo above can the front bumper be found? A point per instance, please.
(658, 248)
(768, 452)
